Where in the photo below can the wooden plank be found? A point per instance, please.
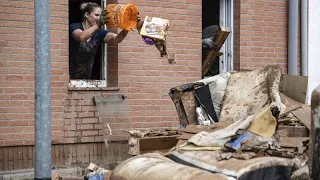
(219, 41)
(290, 104)
(61, 155)
(188, 101)
(292, 142)
(294, 87)
(6, 158)
(20, 158)
(159, 143)
(14, 158)
(57, 157)
(198, 128)
(207, 66)
(1, 159)
(11, 160)
(185, 136)
(25, 157)
(30, 156)
(181, 141)
(181, 113)
(68, 152)
(194, 129)
(221, 38)
(91, 153)
(74, 153)
(304, 115)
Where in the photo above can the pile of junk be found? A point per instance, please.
(235, 125)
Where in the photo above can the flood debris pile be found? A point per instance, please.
(236, 125)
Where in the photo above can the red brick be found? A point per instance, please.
(139, 71)
(89, 133)
(89, 120)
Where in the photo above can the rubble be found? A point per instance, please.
(97, 173)
(257, 131)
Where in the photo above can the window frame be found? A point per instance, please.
(102, 83)
(226, 19)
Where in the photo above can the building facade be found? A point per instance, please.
(131, 69)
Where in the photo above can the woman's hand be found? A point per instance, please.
(104, 18)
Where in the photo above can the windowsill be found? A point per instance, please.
(90, 85)
(93, 88)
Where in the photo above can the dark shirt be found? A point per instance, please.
(82, 54)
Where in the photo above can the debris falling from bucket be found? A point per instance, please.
(113, 114)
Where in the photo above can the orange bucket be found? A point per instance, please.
(122, 16)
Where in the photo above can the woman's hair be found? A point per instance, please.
(88, 7)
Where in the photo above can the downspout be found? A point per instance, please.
(42, 167)
(293, 37)
(304, 37)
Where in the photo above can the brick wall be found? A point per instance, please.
(135, 70)
(260, 34)
(138, 71)
(17, 70)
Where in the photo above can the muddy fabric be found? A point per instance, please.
(301, 174)
(249, 92)
(192, 147)
(217, 85)
(218, 138)
(264, 124)
(157, 167)
(209, 160)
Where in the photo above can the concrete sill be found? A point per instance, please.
(93, 88)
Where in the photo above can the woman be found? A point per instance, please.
(85, 38)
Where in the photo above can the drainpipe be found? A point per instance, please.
(42, 168)
(304, 37)
(292, 37)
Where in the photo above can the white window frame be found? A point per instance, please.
(226, 20)
(83, 83)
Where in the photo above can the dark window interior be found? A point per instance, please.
(210, 12)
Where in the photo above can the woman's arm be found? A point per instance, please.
(113, 38)
(84, 35)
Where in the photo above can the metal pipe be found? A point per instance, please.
(42, 168)
(292, 37)
(304, 37)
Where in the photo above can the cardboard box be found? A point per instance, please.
(151, 144)
(155, 28)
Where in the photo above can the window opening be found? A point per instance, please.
(98, 76)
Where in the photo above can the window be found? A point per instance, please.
(219, 12)
(99, 70)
